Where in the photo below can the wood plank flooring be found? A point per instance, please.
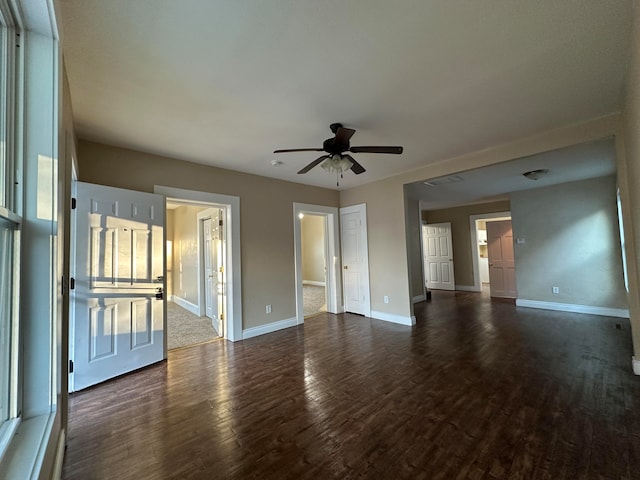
(476, 390)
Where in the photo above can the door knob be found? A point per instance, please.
(345, 267)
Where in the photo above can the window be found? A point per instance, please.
(9, 237)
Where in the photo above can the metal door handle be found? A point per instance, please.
(345, 267)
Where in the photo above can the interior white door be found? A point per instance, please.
(502, 271)
(211, 274)
(119, 308)
(438, 256)
(355, 259)
(220, 246)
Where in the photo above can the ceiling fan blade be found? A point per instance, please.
(314, 163)
(395, 150)
(356, 167)
(299, 150)
(343, 135)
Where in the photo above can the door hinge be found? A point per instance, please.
(70, 366)
(72, 283)
(221, 269)
(220, 222)
(73, 203)
(222, 316)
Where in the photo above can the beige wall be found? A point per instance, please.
(312, 240)
(461, 234)
(628, 150)
(266, 216)
(388, 254)
(185, 253)
(572, 241)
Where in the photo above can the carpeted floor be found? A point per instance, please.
(184, 328)
(314, 299)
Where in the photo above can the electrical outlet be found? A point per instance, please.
(386, 299)
(268, 309)
(555, 290)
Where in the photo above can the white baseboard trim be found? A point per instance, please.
(468, 288)
(393, 318)
(269, 328)
(419, 298)
(312, 282)
(187, 305)
(636, 365)
(169, 298)
(569, 307)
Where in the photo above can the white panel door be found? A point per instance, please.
(213, 271)
(502, 271)
(118, 304)
(438, 256)
(355, 259)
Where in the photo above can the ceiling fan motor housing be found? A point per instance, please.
(330, 146)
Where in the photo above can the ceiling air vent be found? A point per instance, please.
(443, 180)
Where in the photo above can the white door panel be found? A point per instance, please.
(438, 256)
(355, 259)
(118, 321)
(214, 270)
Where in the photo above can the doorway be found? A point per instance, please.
(328, 218)
(314, 263)
(194, 273)
(228, 253)
(480, 249)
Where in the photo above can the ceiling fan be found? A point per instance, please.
(336, 159)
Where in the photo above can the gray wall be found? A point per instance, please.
(571, 241)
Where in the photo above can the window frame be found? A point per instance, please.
(10, 209)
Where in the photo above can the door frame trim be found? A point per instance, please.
(332, 257)
(234, 280)
(475, 255)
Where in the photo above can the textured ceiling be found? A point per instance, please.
(225, 82)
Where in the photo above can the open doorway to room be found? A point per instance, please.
(314, 263)
(229, 207)
(317, 261)
(486, 266)
(196, 273)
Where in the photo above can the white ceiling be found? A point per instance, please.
(579, 162)
(225, 82)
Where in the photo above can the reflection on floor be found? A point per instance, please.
(313, 299)
(184, 328)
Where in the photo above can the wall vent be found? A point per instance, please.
(444, 180)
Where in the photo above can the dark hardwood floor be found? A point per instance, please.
(477, 389)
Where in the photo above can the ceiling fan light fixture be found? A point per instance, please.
(536, 174)
(336, 163)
